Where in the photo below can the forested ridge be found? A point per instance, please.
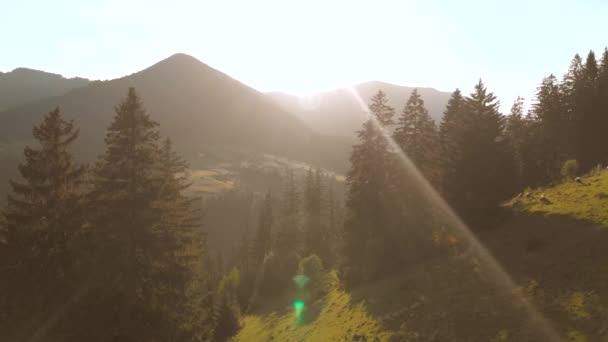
(116, 250)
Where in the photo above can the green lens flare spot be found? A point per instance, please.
(298, 305)
(301, 280)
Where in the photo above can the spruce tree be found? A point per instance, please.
(144, 225)
(287, 234)
(482, 173)
(381, 110)
(590, 137)
(449, 139)
(44, 252)
(314, 231)
(570, 89)
(370, 201)
(550, 143)
(261, 243)
(416, 135)
(602, 105)
(516, 131)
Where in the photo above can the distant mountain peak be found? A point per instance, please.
(180, 60)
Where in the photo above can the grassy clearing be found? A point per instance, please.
(588, 201)
(338, 320)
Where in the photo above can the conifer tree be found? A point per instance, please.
(262, 240)
(449, 139)
(570, 92)
(590, 138)
(314, 230)
(381, 110)
(602, 104)
(44, 252)
(416, 135)
(549, 143)
(482, 174)
(287, 234)
(516, 131)
(145, 225)
(370, 211)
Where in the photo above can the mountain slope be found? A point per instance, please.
(554, 252)
(195, 104)
(339, 112)
(23, 85)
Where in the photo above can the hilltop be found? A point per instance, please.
(24, 85)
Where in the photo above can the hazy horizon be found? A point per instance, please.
(311, 47)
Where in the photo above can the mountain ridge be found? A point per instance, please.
(195, 104)
(339, 112)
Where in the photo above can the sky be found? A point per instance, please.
(302, 47)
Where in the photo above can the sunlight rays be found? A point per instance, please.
(432, 196)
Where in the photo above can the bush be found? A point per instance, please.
(570, 169)
(312, 267)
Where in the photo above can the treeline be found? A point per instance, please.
(476, 157)
(108, 252)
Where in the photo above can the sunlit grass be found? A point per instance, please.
(338, 320)
(581, 201)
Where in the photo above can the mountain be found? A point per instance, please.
(339, 112)
(197, 107)
(23, 85)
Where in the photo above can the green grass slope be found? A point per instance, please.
(587, 201)
(339, 319)
(556, 254)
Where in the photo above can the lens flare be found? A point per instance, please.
(500, 276)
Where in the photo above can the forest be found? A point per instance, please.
(118, 250)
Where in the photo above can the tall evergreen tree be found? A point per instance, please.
(370, 213)
(43, 255)
(550, 143)
(145, 226)
(516, 131)
(381, 110)
(483, 170)
(590, 137)
(287, 234)
(416, 135)
(570, 89)
(261, 243)
(449, 139)
(314, 230)
(602, 104)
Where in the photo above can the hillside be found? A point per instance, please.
(23, 85)
(196, 105)
(338, 112)
(553, 252)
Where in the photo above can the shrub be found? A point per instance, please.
(570, 169)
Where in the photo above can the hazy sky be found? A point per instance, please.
(309, 45)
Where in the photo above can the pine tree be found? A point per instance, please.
(602, 104)
(516, 131)
(370, 209)
(314, 230)
(550, 140)
(571, 100)
(590, 137)
(416, 135)
(287, 234)
(483, 171)
(450, 133)
(44, 221)
(144, 224)
(379, 107)
(262, 240)
(226, 311)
